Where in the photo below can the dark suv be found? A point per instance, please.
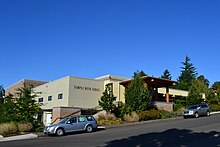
(197, 110)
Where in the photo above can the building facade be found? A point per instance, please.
(69, 95)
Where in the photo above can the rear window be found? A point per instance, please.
(204, 106)
(90, 118)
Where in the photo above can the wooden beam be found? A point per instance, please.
(167, 95)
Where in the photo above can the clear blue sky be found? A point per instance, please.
(50, 39)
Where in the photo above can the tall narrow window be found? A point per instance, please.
(50, 98)
(60, 96)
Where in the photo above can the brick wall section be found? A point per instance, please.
(23, 84)
(164, 106)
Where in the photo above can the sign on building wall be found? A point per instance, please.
(86, 88)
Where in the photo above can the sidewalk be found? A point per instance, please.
(41, 134)
(18, 137)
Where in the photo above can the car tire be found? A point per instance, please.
(60, 132)
(185, 117)
(196, 115)
(207, 113)
(89, 129)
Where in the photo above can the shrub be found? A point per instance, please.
(108, 122)
(166, 114)
(121, 111)
(133, 117)
(8, 128)
(149, 115)
(108, 119)
(24, 127)
(215, 107)
(107, 116)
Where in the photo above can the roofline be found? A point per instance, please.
(23, 80)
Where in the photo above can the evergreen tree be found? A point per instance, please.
(9, 111)
(107, 100)
(166, 75)
(2, 94)
(216, 85)
(137, 95)
(198, 91)
(27, 105)
(188, 74)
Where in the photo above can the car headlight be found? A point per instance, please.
(190, 112)
(50, 128)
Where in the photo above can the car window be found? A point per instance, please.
(90, 118)
(64, 120)
(73, 120)
(193, 107)
(81, 119)
(204, 106)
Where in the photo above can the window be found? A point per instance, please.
(81, 119)
(50, 98)
(204, 106)
(60, 96)
(90, 118)
(73, 120)
(40, 99)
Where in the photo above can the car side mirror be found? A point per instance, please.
(199, 108)
(68, 122)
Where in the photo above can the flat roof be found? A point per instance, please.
(151, 82)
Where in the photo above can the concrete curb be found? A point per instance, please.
(18, 137)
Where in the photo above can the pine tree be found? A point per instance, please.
(137, 95)
(107, 100)
(166, 75)
(188, 74)
(2, 94)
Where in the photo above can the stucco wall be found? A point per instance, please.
(84, 93)
(53, 89)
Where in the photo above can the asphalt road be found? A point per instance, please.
(203, 131)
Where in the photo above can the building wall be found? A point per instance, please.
(54, 88)
(174, 92)
(22, 84)
(85, 93)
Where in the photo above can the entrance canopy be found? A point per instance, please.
(154, 83)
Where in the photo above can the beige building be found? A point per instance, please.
(68, 95)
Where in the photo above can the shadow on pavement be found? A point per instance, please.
(170, 138)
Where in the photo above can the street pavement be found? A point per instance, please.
(163, 126)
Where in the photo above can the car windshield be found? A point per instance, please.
(63, 121)
(192, 107)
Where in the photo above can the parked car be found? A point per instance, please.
(197, 110)
(71, 124)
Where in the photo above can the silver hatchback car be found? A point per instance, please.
(197, 110)
(71, 124)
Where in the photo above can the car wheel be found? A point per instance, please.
(196, 115)
(208, 113)
(184, 117)
(89, 129)
(60, 132)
